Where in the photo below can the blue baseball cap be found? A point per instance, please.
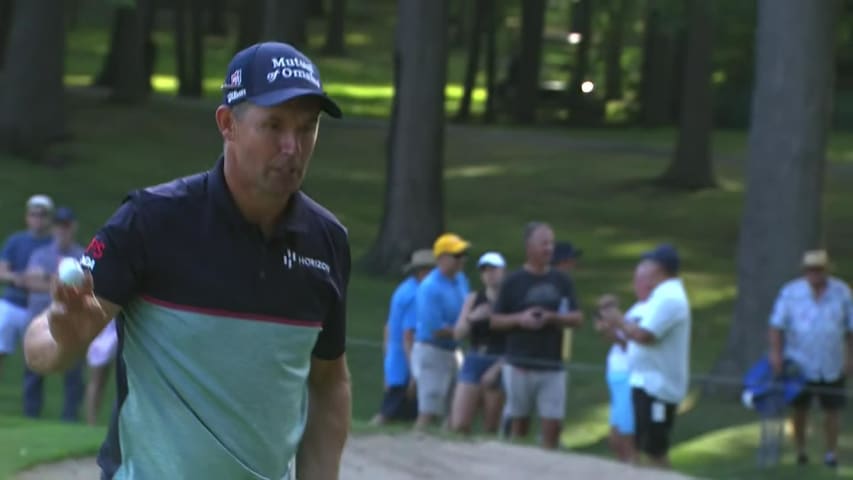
(565, 251)
(64, 215)
(271, 73)
(666, 256)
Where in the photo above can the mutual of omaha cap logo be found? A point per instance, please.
(271, 73)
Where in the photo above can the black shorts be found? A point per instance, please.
(831, 395)
(397, 405)
(653, 420)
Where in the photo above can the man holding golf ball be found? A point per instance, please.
(230, 289)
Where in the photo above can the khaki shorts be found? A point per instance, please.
(544, 389)
(434, 370)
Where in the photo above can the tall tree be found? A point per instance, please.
(582, 24)
(287, 21)
(472, 66)
(791, 109)
(129, 63)
(250, 14)
(335, 39)
(692, 166)
(528, 60)
(6, 12)
(414, 206)
(658, 69)
(32, 97)
(613, 40)
(189, 46)
(491, 34)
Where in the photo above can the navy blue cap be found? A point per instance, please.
(666, 256)
(64, 215)
(271, 73)
(565, 251)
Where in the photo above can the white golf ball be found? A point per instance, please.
(70, 271)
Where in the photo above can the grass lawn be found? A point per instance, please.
(494, 183)
(24, 443)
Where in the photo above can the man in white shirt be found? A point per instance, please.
(812, 326)
(659, 352)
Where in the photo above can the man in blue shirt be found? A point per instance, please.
(399, 402)
(41, 271)
(13, 261)
(438, 302)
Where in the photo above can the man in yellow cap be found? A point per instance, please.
(812, 327)
(438, 302)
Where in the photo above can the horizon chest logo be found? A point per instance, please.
(292, 259)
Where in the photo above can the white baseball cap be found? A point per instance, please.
(491, 259)
(40, 201)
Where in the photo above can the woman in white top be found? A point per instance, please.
(618, 370)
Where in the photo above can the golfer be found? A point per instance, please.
(230, 289)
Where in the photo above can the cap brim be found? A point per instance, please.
(271, 99)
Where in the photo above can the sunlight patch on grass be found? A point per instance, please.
(593, 427)
(474, 171)
(630, 249)
(705, 291)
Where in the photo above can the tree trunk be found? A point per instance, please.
(217, 24)
(692, 165)
(490, 114)
(413, 215)
(285, 21)
(791, 109)
(250, 17)
(131, 54)
(613, 51)
(581, 23)
(335, 44)
(529, 60)
(32, 97)
(656, 89)
(473, 64)
(189, 15)
(316, 8)
(6, 12)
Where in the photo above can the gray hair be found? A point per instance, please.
(531, 228)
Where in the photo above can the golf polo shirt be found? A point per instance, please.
(217, 329)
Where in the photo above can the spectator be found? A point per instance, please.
(566, 257)
(40, 272)
(438, 302)
(479, 378)
(535, 304)
(13, 261)
(399, 401)
(99, 356)
(812, 326)
(659, 352)
(618, 369)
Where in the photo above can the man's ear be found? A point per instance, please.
(225, 121)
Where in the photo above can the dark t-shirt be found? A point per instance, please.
(483, 338)
(536, 349)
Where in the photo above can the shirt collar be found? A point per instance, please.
(294, 220)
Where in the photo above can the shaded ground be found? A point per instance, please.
(410, 456)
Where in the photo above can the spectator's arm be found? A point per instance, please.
(7, 276)
(35, 278)
(634, 332)
(463, 325)
(408, 344)
(571, 319)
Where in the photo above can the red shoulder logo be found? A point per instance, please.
(96, 249)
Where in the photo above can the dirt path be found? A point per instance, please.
(410, 456)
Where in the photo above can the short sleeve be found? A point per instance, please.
(331, 343)
(8, 249)
(779, 315)
(407, 311)
(37, 260)
(427, 300)
(116, 255)
(504, 302)
(661, 316)
(848, 309)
